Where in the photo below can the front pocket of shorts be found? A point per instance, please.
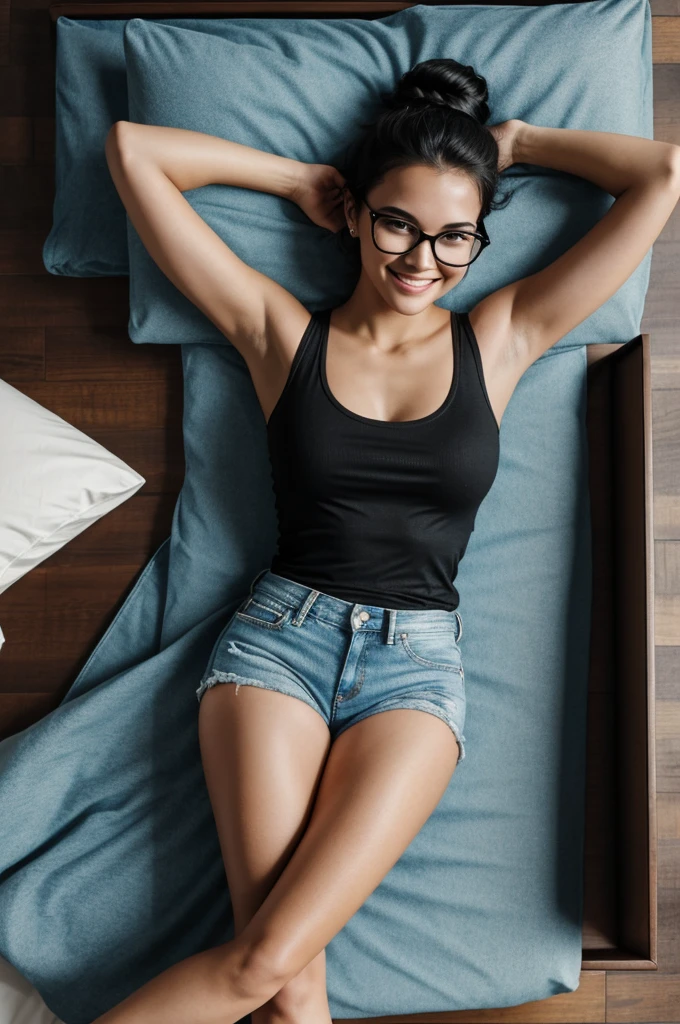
(259, 612)
(433, 650)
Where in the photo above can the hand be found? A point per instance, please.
(320, 195)
(506, 134)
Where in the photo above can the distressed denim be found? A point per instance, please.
(347, 661)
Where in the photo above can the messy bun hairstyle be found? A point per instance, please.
(435, 116)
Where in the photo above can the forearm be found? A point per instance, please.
(191, 159)
(610, 160)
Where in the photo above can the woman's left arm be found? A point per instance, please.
(644, 177)
(612, 161)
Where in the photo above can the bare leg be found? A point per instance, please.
(383, 778)
(263, 754)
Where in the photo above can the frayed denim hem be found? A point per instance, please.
(216, 677)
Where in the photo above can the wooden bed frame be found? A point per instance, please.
(620, 863)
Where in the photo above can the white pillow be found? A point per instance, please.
(55, 481)
(20, 1002)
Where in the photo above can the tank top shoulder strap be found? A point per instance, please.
(306, 347)
(302, 370)
(472, 343)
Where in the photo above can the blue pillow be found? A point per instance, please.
(88, 234)
(88, 237)
(301, 88)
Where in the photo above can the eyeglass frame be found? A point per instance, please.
(481, 235)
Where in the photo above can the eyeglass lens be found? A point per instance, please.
(456, 248)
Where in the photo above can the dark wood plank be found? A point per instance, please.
(47, 300)
(666, 40)
(668, 673)
(21, 250)
(658, 7)
(123, 405)
(4, 31)
(668, 746)
(44, 129)
(600, 879)
(31, 38)
(668, 819)
(26, 195)
(27, 90)
(22, 354)
(16, 140)
(107, 354)
(633, 997)
(666, 430)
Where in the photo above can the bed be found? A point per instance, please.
(112, 857)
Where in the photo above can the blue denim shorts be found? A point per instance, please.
(347, 661)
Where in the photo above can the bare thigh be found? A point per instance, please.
(263, 754)
(383, 778)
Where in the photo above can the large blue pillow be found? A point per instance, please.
(301, 88)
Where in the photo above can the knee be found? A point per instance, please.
(298, 994)
(263, 969)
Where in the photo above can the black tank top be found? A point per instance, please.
(378, 512)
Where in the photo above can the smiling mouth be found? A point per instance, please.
(413, 280)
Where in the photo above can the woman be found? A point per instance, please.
(343, 722)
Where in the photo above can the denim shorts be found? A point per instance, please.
(347, 661)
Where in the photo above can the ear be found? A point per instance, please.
(350, 212)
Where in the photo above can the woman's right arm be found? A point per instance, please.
(151, 166)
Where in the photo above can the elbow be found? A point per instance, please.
(117, 139)
(674, 158)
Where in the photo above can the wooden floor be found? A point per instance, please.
(63, 342)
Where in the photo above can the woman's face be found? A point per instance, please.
(428, 199)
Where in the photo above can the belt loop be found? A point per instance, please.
(258, 578)
(392, 625)
(301, 613)
(460, 627)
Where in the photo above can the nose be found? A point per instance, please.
(423, 258)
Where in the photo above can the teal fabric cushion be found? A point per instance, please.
(301, 87)
(110, 866)
(88, 236)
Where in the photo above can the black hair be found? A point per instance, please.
(435, 116)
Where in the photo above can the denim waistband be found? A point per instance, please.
(354, 616)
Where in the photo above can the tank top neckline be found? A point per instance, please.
(323, 350)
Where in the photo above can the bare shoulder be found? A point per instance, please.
(269, 360)
(501, 347)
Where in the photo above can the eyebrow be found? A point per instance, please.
(405, 213)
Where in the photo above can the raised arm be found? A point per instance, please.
(644, 177)
(151, 166)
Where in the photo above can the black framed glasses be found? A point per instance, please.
(454, 248)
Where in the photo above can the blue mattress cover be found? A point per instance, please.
(110, 865)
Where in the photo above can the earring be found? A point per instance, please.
(351, 231)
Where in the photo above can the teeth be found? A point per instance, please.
(413, 280)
